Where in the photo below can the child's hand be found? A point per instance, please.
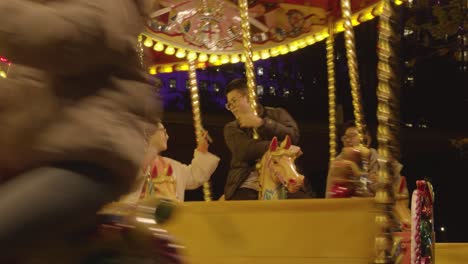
(203, 143)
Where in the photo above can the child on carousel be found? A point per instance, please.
(167, 178)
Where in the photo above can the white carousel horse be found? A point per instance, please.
(277, 171)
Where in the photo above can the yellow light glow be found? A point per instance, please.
(170, 50)
(148, 42)
(202, 57)
(3, 74)
(192, 55)
(225, 59)
(274, 52)
(213, 58)
(301, 43)
(398, 2)
(339, 27)
(283, 49)
(310, 40)
(166, 69)
(255, 56)
(265, 54)
(243, 58)
(217, 63)
(182, 67)
(376, 11)
(158, 46)
(181, 53)
(293, 46)
(201, 65)
(354, 21)
(152, 70)
(235, 58)
(366, 17)
(322, 35)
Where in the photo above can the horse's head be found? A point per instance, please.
(278, 162)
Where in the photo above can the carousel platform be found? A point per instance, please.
(451, 253)
(324, 231)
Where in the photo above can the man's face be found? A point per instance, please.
(351, 137)
(237, 103)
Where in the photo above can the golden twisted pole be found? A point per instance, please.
(249, 67)
(197, 123)
(353, 68)
(331, 91)
(387, 145)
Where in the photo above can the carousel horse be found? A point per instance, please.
(277, 171)
(347, 174)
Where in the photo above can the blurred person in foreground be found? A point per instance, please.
(73, 111)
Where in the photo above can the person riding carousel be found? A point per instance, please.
(242, 181)
(359, 158)
(163, 177)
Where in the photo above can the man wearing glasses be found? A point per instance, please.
(242, 181)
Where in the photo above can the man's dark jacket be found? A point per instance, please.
(245, 150)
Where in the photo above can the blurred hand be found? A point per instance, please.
(203, 144)
(249, 120)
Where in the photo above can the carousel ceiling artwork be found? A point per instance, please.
(210, 30)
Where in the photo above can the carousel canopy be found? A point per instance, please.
(210, 30)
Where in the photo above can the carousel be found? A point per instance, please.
(351, 225)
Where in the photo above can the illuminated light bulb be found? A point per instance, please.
(243, 58)
(292, 46)
(301, 43)
(339, 27)
(3, 74)
(265, 54)
(202, 57)
(170, 50)
(310, 40)
(217, 62)
(398, 2)
(235, 58)
(192, 55)
(354, 21)
(181, 53)
(274, 52)
(201, 65)
(158, 46)
(148, 42)
(166, 69)
(152, 70)
(366, 17)
(284, 50)
(255, 56)
(225, 59)
(322, 35)
(182, 67)
(213, 58)
(376, 11)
